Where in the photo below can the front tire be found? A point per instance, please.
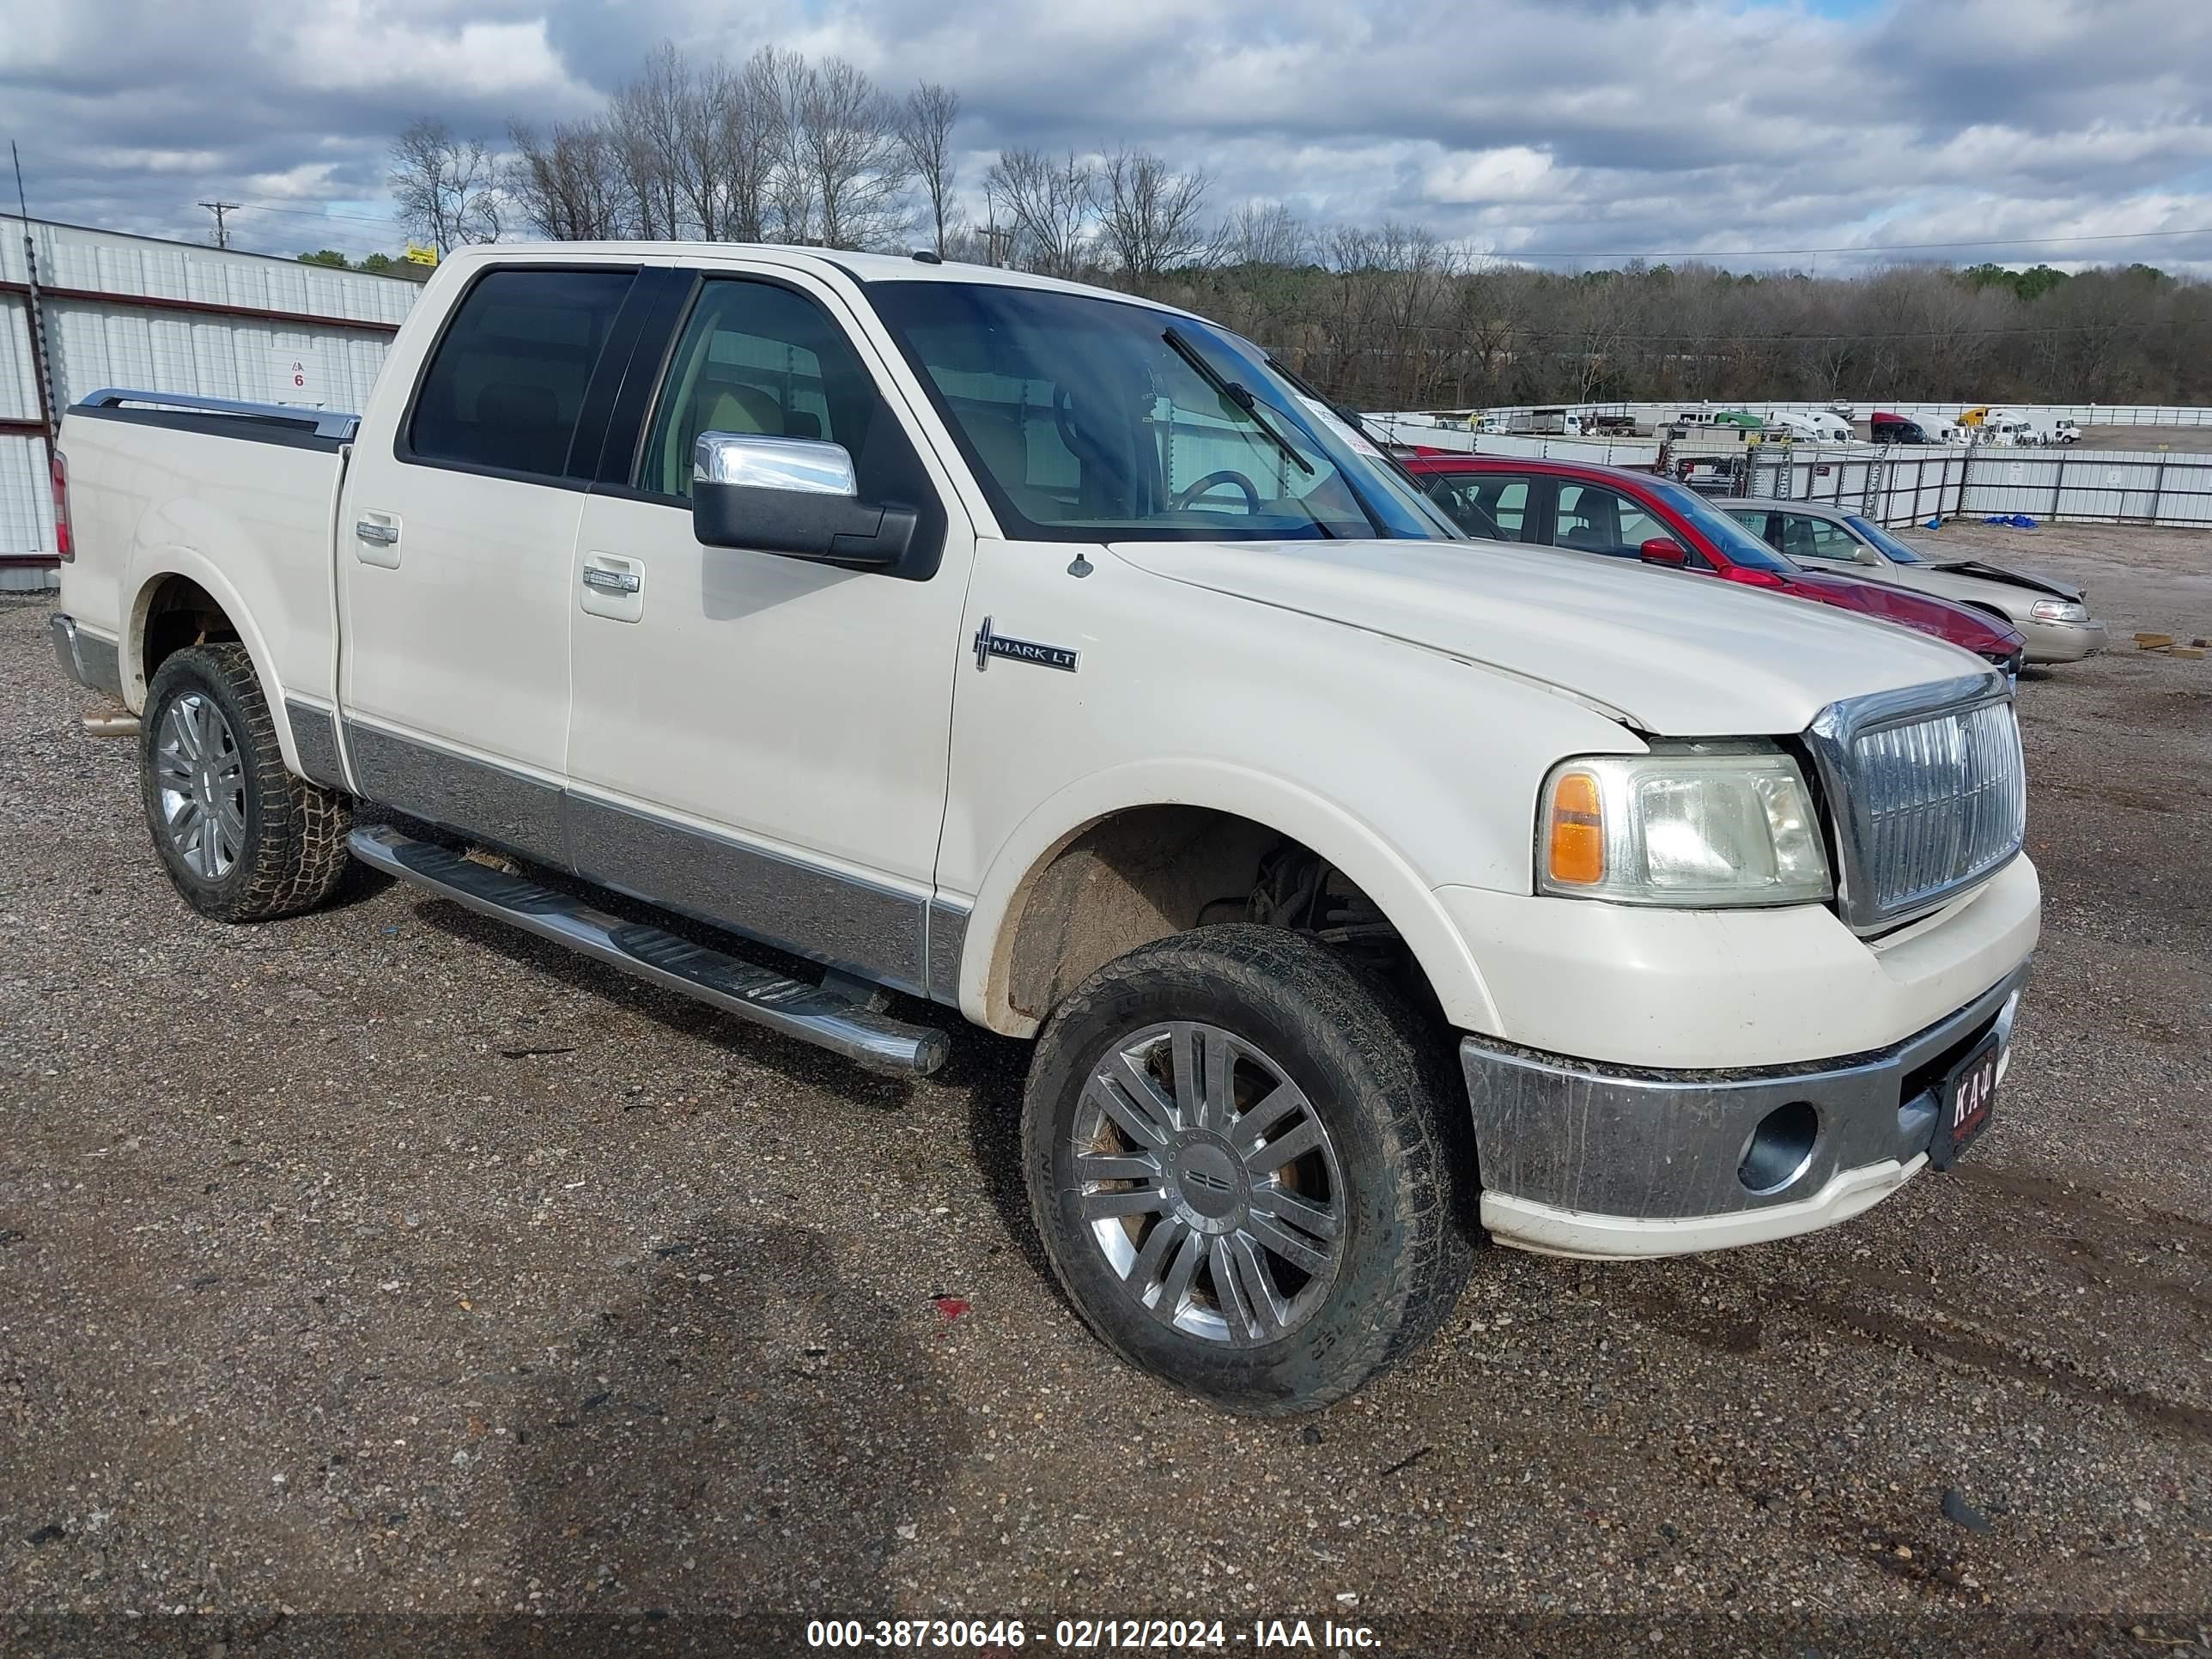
(1246, 1167)
(243, 839)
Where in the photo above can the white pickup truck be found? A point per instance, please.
(1056, 657)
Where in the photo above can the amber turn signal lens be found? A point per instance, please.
(1577, 850)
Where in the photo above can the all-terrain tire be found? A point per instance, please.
(290, 842)
(1374, 1076)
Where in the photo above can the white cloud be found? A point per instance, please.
(1547, 126)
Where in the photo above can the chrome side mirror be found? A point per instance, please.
(753, 460)
(797, 497)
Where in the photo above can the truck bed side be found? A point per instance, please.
(236, 506)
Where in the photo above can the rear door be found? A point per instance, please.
(456, 537)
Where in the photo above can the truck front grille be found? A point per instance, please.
(1927, 801)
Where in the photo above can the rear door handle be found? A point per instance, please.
(612, 581)
(383, 535)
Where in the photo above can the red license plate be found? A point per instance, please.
(1963, 1109)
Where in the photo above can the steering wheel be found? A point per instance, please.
(1214, 481)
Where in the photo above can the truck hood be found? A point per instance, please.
(1677, 654)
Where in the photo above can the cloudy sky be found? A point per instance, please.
(1558, 131)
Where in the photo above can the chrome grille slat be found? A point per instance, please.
(1929, 793)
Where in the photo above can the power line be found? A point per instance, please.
(1884, 248)
(315, 213)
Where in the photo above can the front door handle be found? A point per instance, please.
(611, 581)
(376, 540)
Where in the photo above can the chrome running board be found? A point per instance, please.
(812, 1014)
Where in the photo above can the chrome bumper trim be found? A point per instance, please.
(1627, 1144)
(92, 662)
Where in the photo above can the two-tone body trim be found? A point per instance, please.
(904, 940)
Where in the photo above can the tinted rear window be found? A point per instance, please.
(506, 384)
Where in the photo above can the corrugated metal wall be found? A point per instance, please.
(175, 347)
(1912, 486)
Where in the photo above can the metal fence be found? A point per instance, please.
(2167, 415)
(2063, 485)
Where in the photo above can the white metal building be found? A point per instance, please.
(112, 309)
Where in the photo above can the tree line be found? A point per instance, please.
(778, 147)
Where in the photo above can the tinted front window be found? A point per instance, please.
(1082, 421)
(1804, 536)
(506, 382)
(757, 359)
(1594, 518)
(1737, 545)
(1490, 505)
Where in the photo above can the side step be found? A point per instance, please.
(811, 1014)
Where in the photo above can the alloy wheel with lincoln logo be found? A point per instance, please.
(1209, 1183)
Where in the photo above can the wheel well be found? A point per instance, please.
(1153, 870)
(1987, 611)
(179, 614)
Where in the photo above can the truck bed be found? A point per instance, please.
(235, 498)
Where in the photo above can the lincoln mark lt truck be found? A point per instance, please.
(793, 629)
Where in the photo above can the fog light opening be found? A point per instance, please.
(1780, 1149)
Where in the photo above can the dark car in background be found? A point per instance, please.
(1888, 429)
(1618, 513)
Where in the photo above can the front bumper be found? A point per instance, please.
(1583, 1159)
(2060, 641)
(92, 662)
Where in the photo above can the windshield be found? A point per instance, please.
(1090, 420)
(1891, 549)
(1736, 543)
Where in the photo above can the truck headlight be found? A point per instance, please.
(2058, 610)
(1693, 829)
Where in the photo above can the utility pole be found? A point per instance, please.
(221, 230)
(33, 313)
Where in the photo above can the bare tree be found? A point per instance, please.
(647, 116)
(1149, 215)
(786, 81)
(1050, 206)
(848, 141)
(567, 184)
(445, 188)
(1263, 233)
(754, 143)
(925, 136)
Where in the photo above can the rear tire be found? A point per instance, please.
(243, 839)
(1248, 1168)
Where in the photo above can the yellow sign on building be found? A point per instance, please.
(421, 256)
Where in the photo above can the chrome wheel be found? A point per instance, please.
(201, 778)
(1209, 1183)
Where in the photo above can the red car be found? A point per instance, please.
(1635, 516)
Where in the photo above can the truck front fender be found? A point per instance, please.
(1353, 845)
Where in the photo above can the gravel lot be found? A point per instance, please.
(370, 1280)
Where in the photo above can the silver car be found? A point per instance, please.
(2050, 616)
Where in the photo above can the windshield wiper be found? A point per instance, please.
(1231, 393)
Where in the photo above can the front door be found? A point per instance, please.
(454, 553)
(757, 740)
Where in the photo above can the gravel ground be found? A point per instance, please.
(381, 1281)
